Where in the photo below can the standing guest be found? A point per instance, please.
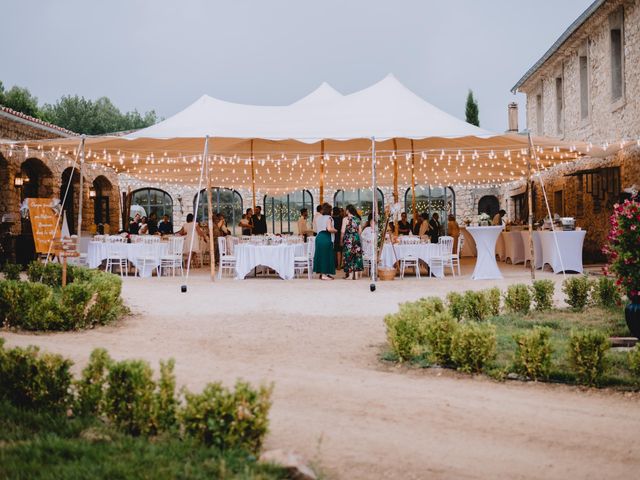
(368, 223)
(353, 264)
(193, 233)
(404, 228)
(316, 216)
(324, 259)
(144, 227)
(153, 224)
(303, 227)
(337, 242)
(453, 230)
(246, 223)
(222, 225)
(498, 218)
(134, 226)
(415, 225)
(165, 227)
(425, 227)
(259, 222)
(434, 227)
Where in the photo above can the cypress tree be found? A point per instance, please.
(471, 111)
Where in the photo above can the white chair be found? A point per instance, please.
(447, 251)
(438, 260)
(116, 256)
(455, 257)
(300, 264)
(410, 261)
(115, 239)
(227, 261)
(409, 239)
(150, 239)
(173, 259)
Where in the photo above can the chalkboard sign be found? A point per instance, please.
(43, 222)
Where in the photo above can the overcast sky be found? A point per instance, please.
(164, 54)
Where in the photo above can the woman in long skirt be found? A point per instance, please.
(324, 260)
(352, 254)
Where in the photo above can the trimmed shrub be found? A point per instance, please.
(542, 292)
(34, 380)
(129, 397)
(166, 401)
(634, 360)
(12, 271)
(577, 291)
(605, 293)
(11, 302)
(228, 419)
(49, 274)
(439, 332)
(473, 345)
(91, 386)
(517, 299)
(406, 333)
(533, 353)
(587, 350)
(455, 305)
(424, 307)
(493, 301)
(476, 306)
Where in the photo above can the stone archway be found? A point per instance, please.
(70, 178)
(105, 202)
(37, 179)
(489, 204)
(6, 187)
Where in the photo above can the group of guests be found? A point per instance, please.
(424, 226)
(142, 225)
(253, 223)
(337, 242)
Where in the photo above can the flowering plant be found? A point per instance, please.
(623, 249)
(483, 217)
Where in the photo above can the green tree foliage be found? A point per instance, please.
(94, 118)
(20, 100)
(472, 112)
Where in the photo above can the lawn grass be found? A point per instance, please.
(560, 322)
(39, 445)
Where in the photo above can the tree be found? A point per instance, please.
(1, 93)
(21, 100)
(471, 111)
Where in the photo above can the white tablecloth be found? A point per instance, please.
(97, 253)
(469, 244)
(278, 257)
(513, 247)
(570, 244)
(486, 267)
(424, 251)
(537, 248)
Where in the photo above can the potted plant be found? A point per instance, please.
(623, 251)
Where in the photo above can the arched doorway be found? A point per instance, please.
(147, 201)
(489, 204)
(37, 179)
(360, 198)
(223, 200)
(104, 203)
(70, 202)
(283, 212)
(5, 186)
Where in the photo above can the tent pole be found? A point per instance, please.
(81, 193)
(413, 184)
(532, 263)
(321, 172)
(374, 211)
(212, 247)
(396, 227)
(253, 178)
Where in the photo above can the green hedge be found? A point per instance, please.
(91, 298)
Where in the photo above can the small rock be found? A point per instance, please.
(513, 376)
(293, 462)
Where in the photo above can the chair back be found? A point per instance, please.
(176, 245)
(115, 249)
(115, 239)
(311, 248)
(149, 239)
(447, 243)
(98, 238)
(222, 246)
(460, 242)
(367, 247)
(409, 239)
(245, 238)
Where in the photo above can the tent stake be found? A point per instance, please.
(212, 247)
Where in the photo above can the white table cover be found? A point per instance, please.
(486, 267)
(97, 253)
(570, 244)
(424, 251)
(469, 244)
(537, 248)
(513, 247)
(281, 258)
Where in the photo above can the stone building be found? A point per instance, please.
(28, 173)
(586, 87)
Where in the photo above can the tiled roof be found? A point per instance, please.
(37, 123)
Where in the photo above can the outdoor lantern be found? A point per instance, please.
(92, 193)
(18, 181)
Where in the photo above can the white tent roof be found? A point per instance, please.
(384, 110)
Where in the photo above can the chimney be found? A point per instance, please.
(513, 118)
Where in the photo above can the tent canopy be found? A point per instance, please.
(323, 138)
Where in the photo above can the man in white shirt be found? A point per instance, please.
(316, 216)
(303, 228)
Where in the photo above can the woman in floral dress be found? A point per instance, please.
(352, 246)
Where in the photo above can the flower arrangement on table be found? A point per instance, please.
(483, 219)
(623, 249)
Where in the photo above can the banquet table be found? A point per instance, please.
(280, 258)
(570, 244)
(537, 248)
(513, 246)
(424, 251)
(97, 253)
(486, 267)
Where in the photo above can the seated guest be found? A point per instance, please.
(165, 227)
(404, 228)
(245, 224)
(153, 224)
(134, 226)
(144, 227)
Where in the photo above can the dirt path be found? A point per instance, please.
(333, 401)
